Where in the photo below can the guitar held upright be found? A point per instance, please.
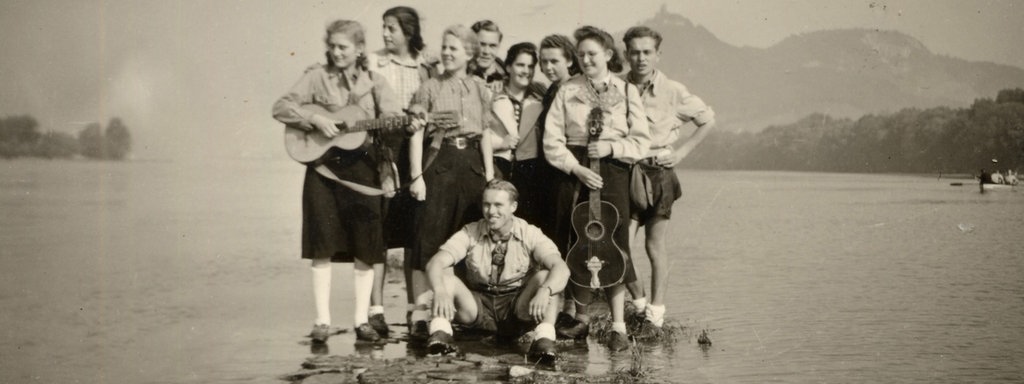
(595, 260)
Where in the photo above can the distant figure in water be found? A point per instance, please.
(997, 178)
(1011, 177)
(984, 177)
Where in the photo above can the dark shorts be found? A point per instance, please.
(497, 313)
(666, 191)
(568, 191)
(339, 223)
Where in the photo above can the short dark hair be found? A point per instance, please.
(502, 185)
(487, 25)
(519, 49)
(409, 21)
(642, 31)
(568, 48)
(599, 36)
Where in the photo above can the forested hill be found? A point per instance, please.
(841, 73)
(940, 139)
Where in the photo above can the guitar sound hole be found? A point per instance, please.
(594, 230)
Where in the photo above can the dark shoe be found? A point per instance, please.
(365, 332)
(320, 333)
(420, 330)
(563, 319)
(618, 341)
(440, 343)
(542, 350)
(574, 329)
(379, 325)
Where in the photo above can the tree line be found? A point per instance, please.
(942, 139)
(20, 137)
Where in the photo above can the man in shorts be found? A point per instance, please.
(513, 283)
(669, 105)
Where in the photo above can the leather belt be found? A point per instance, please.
(462, 142)
(496, 289)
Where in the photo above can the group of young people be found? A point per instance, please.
(483, 209)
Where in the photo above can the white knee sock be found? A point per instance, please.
(322, 292)
(441, 324)
(545, 331)
(640, 304)
(363, 281)
(656, 314)
(619, 327)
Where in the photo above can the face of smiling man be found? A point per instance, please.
(498, 209)
(489, 42)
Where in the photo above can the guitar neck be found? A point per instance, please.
(381, 123)
(595, 194)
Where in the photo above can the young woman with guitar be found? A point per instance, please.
(339, 223)
(405, 65)
(458, 162)
(595, 126)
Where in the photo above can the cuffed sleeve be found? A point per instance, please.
(288, 109)
(555, 149)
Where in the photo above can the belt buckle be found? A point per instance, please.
(460, 142)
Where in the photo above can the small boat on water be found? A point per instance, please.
(997, 187)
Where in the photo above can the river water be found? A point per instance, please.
(188, 272)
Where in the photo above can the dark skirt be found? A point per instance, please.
(337, 222)
(568, 191)
(455, 182)
(400, 209)
(533, 179)
(502, 168)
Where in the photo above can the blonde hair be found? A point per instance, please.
(354, 31)
(467, 36)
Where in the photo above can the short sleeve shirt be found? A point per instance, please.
(473, 244)
(669, 105)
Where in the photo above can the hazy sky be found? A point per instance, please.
(196, 79)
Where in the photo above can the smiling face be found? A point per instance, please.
(643, 56)
(343, 50)
(498, 208)
(489, 42)
(453, 54)
(394, 38)
(554, 65)
(594, 58)
(521, 71)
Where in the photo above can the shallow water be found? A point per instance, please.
(189, 272)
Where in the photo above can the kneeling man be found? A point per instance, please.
(514, 277)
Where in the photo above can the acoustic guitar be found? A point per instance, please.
(306, 146)
(595, 260)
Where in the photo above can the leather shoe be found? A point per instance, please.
(440, 343)
(542, 350)
(377, 322)
(365, 332)
(320, 333)
(618, 341)
(420, 330)
(574, 329)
